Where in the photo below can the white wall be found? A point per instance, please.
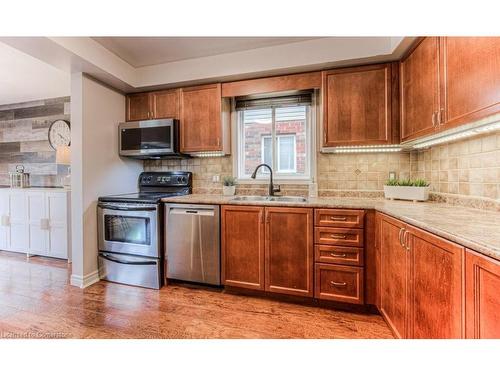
(97, 169)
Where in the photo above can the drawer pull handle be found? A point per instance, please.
(338, 218)
(343, 255)
(338, 236)
(333, 283)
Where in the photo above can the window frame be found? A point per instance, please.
(291, 177)
(277, 161)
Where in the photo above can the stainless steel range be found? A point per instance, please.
(130, 229)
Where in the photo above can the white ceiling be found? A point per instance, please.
(145, 51)
(24, 78)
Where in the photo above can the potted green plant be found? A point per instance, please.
(229, 185)
(413, 190)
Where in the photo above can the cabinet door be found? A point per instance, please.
(482, 297)
(420, 90)
(471, 79)
(357, 106)
(57, 215)
(394, 275)
(139, 106)
(242, 232)
(436, 294)
(4, 220)
(165, 104)
(201, 127)
(37, 223)
(289, 250)
(18, 222)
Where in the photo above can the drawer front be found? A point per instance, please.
(339, 218)
(339, 283)
(349, 256)
(339, 236)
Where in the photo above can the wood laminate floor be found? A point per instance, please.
(36, 301)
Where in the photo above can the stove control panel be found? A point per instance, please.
(165, 179)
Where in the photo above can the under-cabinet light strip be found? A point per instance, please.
(208, 154)
(363, 149)
(459, 135)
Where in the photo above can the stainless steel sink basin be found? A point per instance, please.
(255, 198)
(288, 199)
(258, 198)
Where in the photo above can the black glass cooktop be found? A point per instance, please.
(147, 197)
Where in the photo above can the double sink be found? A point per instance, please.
(259, 198)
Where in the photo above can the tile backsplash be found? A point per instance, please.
(469, 168)
(24, 139)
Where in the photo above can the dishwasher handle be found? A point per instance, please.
(192, 211)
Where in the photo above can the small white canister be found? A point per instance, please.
(19, 179)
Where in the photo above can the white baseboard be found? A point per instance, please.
(85, 281)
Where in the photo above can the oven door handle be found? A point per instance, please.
(143, 263)
(123, 208)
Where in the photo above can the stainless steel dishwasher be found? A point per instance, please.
(192, 243)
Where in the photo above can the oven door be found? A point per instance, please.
(143, 138)
(128, 228)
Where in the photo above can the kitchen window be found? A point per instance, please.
(277, 132)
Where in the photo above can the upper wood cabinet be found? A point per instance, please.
(201, 120)
(138, 106)
(482, 298)
(153, 105)
(242, 235)
(420, 90)
(289, 250)
(421, 282)
(470, 79)
(357, 105)
(448, 82)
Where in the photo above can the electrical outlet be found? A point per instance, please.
(392, 175)
(215, 178)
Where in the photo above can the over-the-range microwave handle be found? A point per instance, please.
(115, 260)
(124, 208)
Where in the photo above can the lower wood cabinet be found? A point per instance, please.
(421, 282)
(339, 283)
(289, 250)
(242, 239)
(268, 249)
(482, 296)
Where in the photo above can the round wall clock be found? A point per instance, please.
(59, 134)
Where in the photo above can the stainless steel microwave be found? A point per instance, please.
(152, 139)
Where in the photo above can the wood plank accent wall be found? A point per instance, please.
(24, 139)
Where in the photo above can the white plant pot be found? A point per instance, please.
(410, 193)
(228, 190)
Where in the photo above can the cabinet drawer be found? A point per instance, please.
(339, 236)
(339, 218)
(339, 283)
(349, 256)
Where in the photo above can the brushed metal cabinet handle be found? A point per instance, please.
(334, 283)
(338, 236)
(399, 237)
(338, 218)
(343, 255)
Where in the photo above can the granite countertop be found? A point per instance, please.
(475, 229)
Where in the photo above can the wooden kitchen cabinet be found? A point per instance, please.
(357, 105)
(420, 90)
(448, 82)
(153, 105)
(242, 240)
(436, 287)
(201, 118)
(470, 80)
(482, 297)
(421, 282)
(138, 107)
(394, 275)
(289, 250)
(268, 249)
